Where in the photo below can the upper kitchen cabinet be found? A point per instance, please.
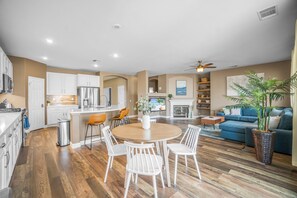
(88, 80)
(7, 69)
(61, 84)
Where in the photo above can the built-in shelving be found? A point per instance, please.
(203, 97)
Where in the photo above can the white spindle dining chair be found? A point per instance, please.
(113, 148)
(187, 146)
(142, 160)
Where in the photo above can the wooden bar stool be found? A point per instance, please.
(96, 120)
(119, 119)
(126, 118)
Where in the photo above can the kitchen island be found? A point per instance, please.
(81, 116)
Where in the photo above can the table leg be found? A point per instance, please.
(165, 153)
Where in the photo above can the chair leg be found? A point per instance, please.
(197, 167)
(128, 119)
(158, 148)
(155, 187)
(111, 162)
(136, 178)
(162, 180)
(186, 161)
(128, 183)
(107, 168)
(175, 169)
(91, 145)
(86, 133)
(99, 128)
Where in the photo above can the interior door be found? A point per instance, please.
(107, 93)
(36, 103)
(121, 96)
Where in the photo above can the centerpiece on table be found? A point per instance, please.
(260, 95)
(144, 106)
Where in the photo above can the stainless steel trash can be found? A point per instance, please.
(63, 132)
(6, 193)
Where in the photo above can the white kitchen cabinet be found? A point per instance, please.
(10, 143)
(8, 167)
(2, 162)
(53, 83)
(61, 84)
(10, 69)
(1, 69)
(5, 68)
(70, 87)
(54, 113)
(88, 80)
(17, 133)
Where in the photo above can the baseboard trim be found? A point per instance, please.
(75, 145)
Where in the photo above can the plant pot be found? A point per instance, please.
(146, 121)
(264, 145)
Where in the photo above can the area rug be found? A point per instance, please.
(209, 131)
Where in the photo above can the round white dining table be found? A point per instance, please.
(158, 132)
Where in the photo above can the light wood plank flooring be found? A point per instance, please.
(228, 170)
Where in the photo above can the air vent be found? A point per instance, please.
(267, 13)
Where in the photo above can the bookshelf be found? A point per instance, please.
(203, 94)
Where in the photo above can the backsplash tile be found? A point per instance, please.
(64, 100)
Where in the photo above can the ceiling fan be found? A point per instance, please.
(200, 67)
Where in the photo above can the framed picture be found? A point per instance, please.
(181, 88)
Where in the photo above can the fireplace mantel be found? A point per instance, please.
(172, 102)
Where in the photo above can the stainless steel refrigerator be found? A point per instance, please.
(88, 97)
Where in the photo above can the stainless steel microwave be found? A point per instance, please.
(7, 84)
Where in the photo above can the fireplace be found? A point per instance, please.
(183, 108)
(180, 111)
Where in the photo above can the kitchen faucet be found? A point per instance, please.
(107, 102)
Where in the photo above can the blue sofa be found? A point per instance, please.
(239, 128)
(284, 135)
(246, 115)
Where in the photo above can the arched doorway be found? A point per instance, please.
(114, 90)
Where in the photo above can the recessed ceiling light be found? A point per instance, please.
(49, 41)
(116, 26)
(96, 65)
(115, 55)
(44, 58)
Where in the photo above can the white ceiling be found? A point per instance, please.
(160, 36)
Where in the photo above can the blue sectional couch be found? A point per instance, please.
(239, 128)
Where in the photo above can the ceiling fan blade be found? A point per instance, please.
(211, 67)
(189, 69)
(208, 64)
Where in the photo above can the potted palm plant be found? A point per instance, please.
(260, 95)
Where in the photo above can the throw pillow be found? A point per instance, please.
(273, 122)
(236, 111)
(275, 112)
(226, 111)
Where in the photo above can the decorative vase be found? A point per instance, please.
(264, 145)
(146, 122)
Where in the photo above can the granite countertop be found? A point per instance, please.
(6, 119)
(97, 110)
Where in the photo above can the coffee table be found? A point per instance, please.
(212, 120)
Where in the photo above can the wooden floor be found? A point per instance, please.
(45, 170)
